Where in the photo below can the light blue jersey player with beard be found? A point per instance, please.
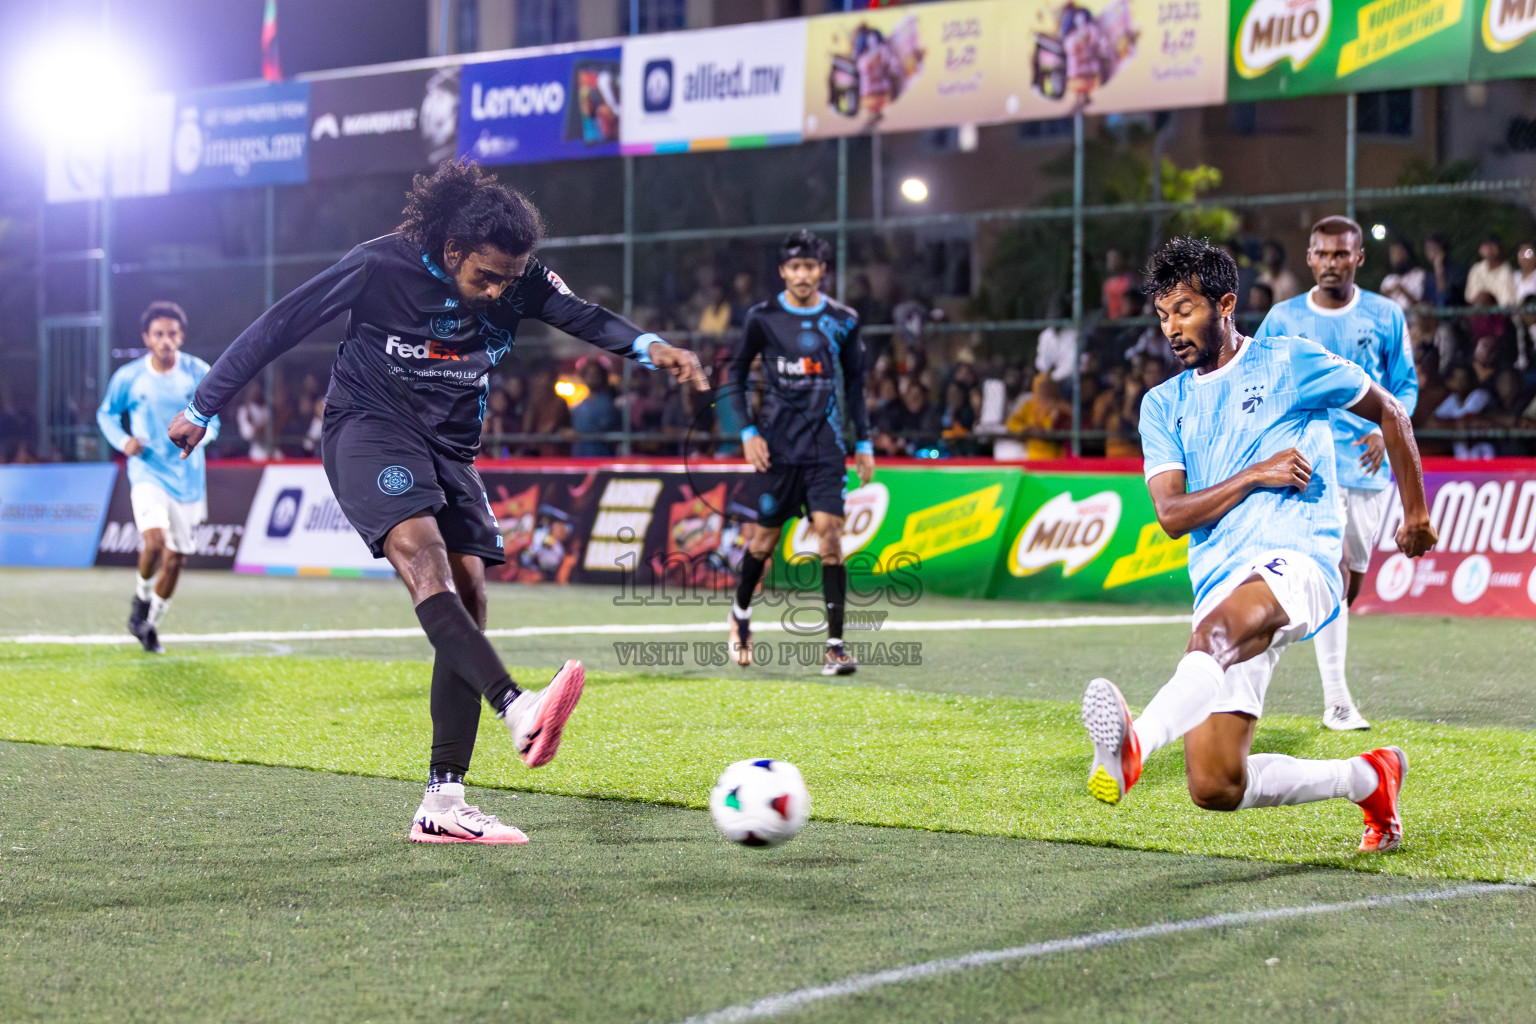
(1369, 330)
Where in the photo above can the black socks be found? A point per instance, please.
(751, 573)
(834, 590)
(455, 721)
(465, 669)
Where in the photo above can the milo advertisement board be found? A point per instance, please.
(1090, 537)
(1283, 48)
(1505, 39)
(929, 530)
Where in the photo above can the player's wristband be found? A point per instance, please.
(864, 448)
(196, 418)
(642, 349)
(747, 434)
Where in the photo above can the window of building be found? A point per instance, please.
(1046, 131)
(543, 22)
(654, 15)
(1387, 113)
(466, 26)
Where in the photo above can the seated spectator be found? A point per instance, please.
(1486, 325)
(1279, 277)
(1525, 335)
(1443, 278)
(1465, 406)
(911, 425)
(547, 413)
(743, 296)
(1056, 351)
(252, 419)
(715, 315)
(1491, 275)
(1432, 389)
(498, 420)
(1043, 412)
(1525, 272)
(1116, 412)
(1261, 297)
(1118, 280)
(1404, 283)
(958, 420)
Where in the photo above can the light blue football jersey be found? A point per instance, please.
(1371, 332)
(1275, 394)
(152, 399)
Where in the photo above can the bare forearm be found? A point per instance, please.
(1403, 453)
(1179, 514)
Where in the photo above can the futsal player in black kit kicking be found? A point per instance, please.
(431, 309)
(813, 369)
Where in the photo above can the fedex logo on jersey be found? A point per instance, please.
(394, 346)
(805, 366)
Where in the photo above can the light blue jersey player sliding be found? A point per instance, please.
(1239, 457)
(169, 493)
(1369, 330)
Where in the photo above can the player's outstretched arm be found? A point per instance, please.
(1416, 535)
(1180, 512)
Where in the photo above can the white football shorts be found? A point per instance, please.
(153, 509)
(1363, 513)
(1303, 590)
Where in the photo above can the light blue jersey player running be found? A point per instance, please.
(1239, 457)
(169, 493)
(1369, 330)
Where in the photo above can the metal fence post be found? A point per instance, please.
(626, 421)
(103, 302)
(1351, 149)
(268, 297)
(1077, 281)
(842, 217)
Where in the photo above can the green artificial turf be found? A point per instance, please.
(991, 766)
(137, 888)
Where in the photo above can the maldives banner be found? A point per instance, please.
(1505, 42)
(1284, 48)
(1484, 563)
(551, 106)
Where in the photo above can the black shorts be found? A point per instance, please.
(383, 474)
(800, 489)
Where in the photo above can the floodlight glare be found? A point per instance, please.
(1378, 231)
(80, 86)
(914, 189)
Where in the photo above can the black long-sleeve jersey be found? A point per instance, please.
(813, 360)
(411, 353)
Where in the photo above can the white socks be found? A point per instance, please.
(1183, 703)
(741, 613)
(1279, 780)
(157, 609)
(1332, 643)
(144, 589)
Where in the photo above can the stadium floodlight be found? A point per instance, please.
(80, 86)
(915, 190)
(1378, 231)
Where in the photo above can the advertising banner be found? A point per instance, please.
(1089, 538)
(1301, 47)
(1504, 44)
(296, 528)
(1108, 56)
(231, 489)
(907, 68)
(1484, 563)
(714, 89)
(926, 530)
(560, 106)
(241, 136)
(52, 515)
(397, 122)
(140, 146)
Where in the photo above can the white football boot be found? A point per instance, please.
(537, 718)
(444, 817)
(1344, 718)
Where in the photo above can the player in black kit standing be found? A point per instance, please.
(431, 309)
(813, 369)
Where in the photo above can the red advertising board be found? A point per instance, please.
(1485, 561)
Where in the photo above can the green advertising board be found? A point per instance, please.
(935, 530)
(1504, 39)
(1088, 537)
(1283, 48)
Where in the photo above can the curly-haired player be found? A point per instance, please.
(1240, 459)
(431, 310)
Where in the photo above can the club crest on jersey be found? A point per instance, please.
(445, 325)
(805, 366)
(809, 340)
(1255, 398)
(555, 280)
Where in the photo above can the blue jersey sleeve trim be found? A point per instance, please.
(642, 349)
(748, 433)
(864, 448)
(1365, 389)
(195, 417)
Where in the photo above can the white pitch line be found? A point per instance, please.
(619, 629)
(788, 1002)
